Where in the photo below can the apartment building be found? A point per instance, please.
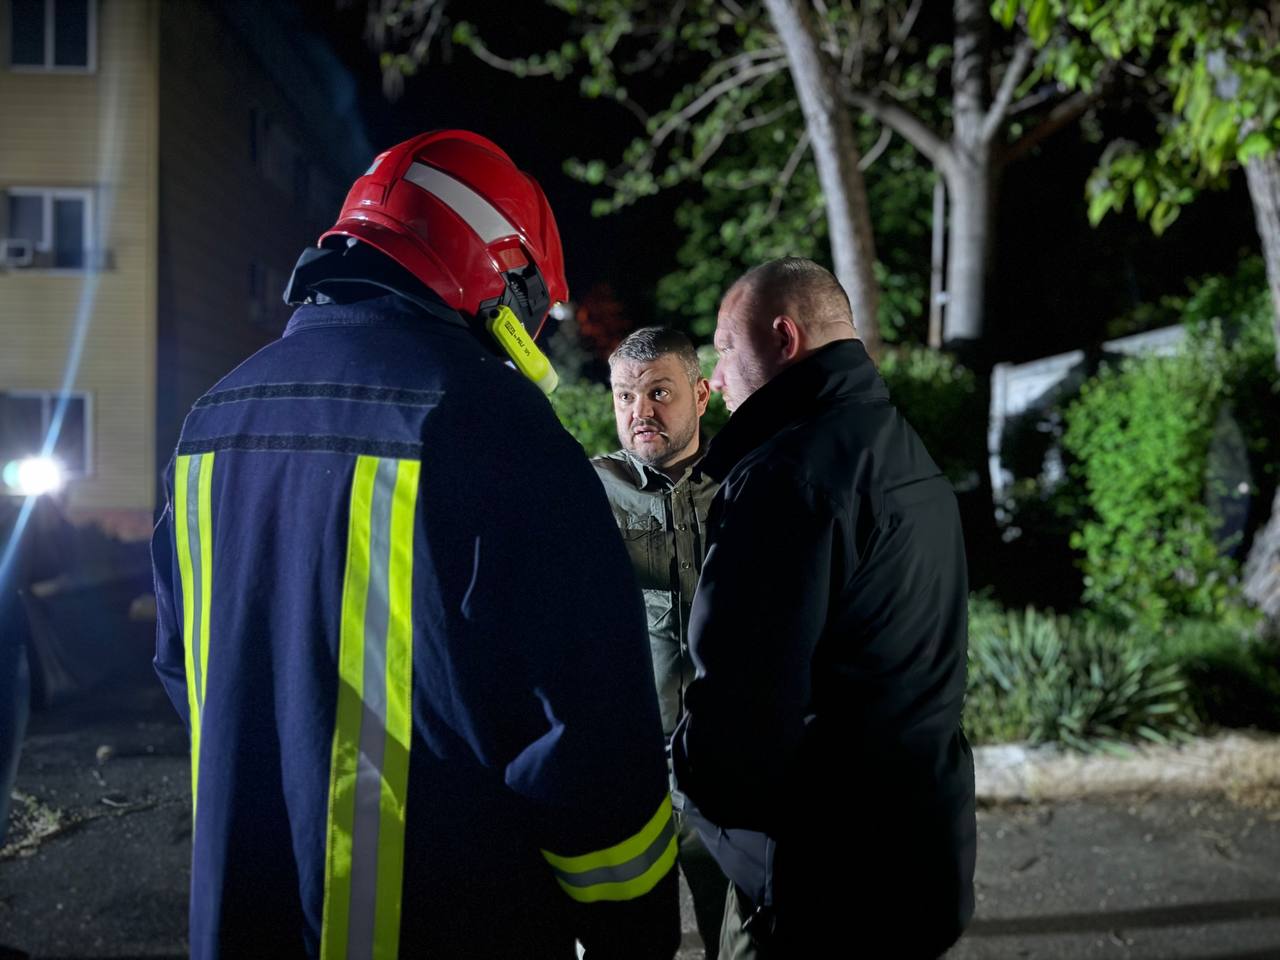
(162, 163)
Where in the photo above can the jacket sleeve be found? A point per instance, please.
(760, 608)
(170, 656)
(560, 702)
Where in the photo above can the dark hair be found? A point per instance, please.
(650, 343)
(813, 290)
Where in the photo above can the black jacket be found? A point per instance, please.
(822, 737)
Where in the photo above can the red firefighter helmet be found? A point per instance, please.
(454, 210)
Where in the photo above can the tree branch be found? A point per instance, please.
(519, 67)
(1033, 100)
(1013, 75)
(880, 146)
(721, 134)
(764, 119)
(832, 44)
(1060, 116)
(711, 94)
(741, 60)
(902, 32)
(651, 56)
(905, 123)
(637, 111)
(784, 178)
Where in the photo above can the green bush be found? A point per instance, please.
(1232, 674)
(1236, 312)
(1140, 434)
(1039, 678)
(586, 411)
(717, 414)
(940, 398)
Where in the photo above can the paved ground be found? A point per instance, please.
(1143, 877)
(97, 860)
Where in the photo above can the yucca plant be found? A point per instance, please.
(1040, 678)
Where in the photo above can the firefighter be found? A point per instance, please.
(422, 723)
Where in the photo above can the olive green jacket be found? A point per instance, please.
(664, 527)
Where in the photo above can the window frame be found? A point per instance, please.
(50, 41)
(45, 243)
(48, 399)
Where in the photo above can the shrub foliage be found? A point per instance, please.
(1141, 434)
(1039, 678)
(940, 398)
(586, 411)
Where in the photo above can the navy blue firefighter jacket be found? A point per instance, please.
(407, 641)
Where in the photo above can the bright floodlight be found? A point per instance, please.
(34, 476)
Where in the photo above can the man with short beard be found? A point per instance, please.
(660, 503)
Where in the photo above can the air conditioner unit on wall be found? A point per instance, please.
(15, 253)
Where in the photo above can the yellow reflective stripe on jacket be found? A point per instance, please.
(369, 774)
(193, 529)
(624, 871)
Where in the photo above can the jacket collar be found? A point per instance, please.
(648, 477)
(388, 311)
(838, 371)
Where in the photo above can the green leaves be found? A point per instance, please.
(1256, 144)
(1005, 11)
(1040, 678)
(751, 209)
(1141, 434)
(1160, 184)
(586, 411)
(1217, 69)
(1039, 21)
(940, 398)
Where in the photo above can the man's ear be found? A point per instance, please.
(701, 394)
(787, 337)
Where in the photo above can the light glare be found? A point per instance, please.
(34, 476)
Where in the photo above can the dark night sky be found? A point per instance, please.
(1057, 280)
(540, 122)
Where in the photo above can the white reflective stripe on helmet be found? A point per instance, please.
(480, 215)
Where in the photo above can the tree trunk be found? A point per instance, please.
(1262, 569)
(968, 169)
(968, 244)
(1263, 174)
(937, 262)
(835, 150)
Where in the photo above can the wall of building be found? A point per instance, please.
(96, 130)
(248, 178)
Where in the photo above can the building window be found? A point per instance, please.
(53, 35)
(55, 223)
(27, 418)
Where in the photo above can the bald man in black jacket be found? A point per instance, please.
(822, 742)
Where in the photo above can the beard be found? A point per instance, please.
(660, 454)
